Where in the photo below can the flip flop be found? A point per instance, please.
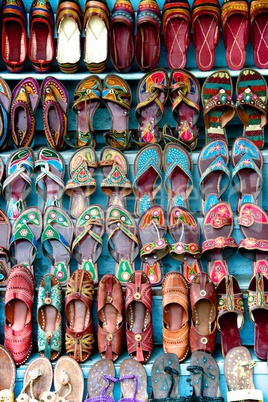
(253, 222)
(258, 17)
(247, 163)
(206, 19)
(117, 97)
(184, 95)
(123, 244)
(213, 167)
(5, 230)
(87, 99)
(251, 104)
(152, 231)
(115, 169)
(133, 386)
(87, 244)
(81, 183)
(235, 29)
(176, 23)
(178, 175)
(218, 105)
(147, 177)
(165, 377)
(8, 374)
(101, 379)
(218, 244)
(26, 230)
(5, 103)
(18, 183)
(152, 94)
(257, 294)
(56, 242)
(49, 182)
(184, 229)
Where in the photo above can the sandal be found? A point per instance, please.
(258, 31)
(18, 183)
(218, 105)
(87, 99)
(138, 312)
(218, 244)
(49, 183)
(37, 379)
(230, 313)
(5, 103)
(213, 167)
(184, 229)
(5, 230)
(251, 104)
(49, 318)
(110, 317)
(101, 380)
(8, 375)
(26, 230)
(178, 177)
(258, 313)
(152, 94)
(133, 387)
(56, 242)
(115, 168)
(253, 222)
(147, 177)
(247, 163)
(117, 97)
(79, 332)
(165, 377)
(81, 184)
(152, 231)
(87, 244)
(184, 95)
(123, 244)
(204, 377)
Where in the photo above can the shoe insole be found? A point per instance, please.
(13, 42)
(235, 41)
(261, 329)
(18, 314)
(78, 315)
(176, 38)
(17, 188)
(119, 116)
(259, 29)
(41, 48)
(139, 314)
(96, 41)
(178, 182)
(173, 316)
(149, 46)
(110, 314)
(202, 316)
(205, 30)
(68, 38)
(122, 37)
(48, 318)
(230, 337)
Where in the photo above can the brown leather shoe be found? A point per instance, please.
(175, 315)
(203, 301)
(110, 315)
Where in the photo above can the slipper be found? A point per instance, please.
(165, 377)
(251, 104)
(176, 23)
(87, 243)
(206, 19)
(147, 177)
(8, 374)
(259, 32)
(49, 182)
(178, 175)
(68, 379)
(213, 167)
(247, 163)
(258, 313)
(5, 230)
(184, 95)
(123, 244)
(133, 386)
(18, 183)
(26, 230)
(218, 105)
(101, 380)
(115, 169)
(235, 29)
(117, 97)
(37, 379)
(49, 318)
(5, 103)
(238, 371)
(87, 99)
(56, 242)
(184, 229)
(81, 184)
(152, 94)
(152, 231)
(218, 244)
(205, 376)
(230, 318)
(253, 222)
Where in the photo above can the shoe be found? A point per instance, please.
(14, 35)
(69, 27)
(41, 41)
(5, 103)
